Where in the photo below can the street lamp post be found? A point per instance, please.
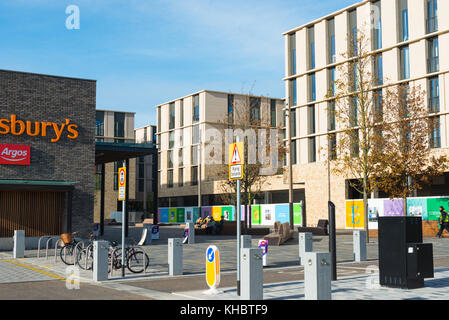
(290, 165)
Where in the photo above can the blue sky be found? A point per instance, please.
(145, 52)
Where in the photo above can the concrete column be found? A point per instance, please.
(19, 244)
(149, 227)
(100, 263)
(305, 245)
(175, 257)
(191, 227)
(246, 241)
(251, 274)
(359, 245)
(317, 275)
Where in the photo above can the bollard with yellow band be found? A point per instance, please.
(212, 269)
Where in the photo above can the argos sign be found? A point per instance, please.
(14, 154)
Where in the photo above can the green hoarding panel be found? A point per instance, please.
(180, 215)
(255, 214)
(433, 207)
(172, 215)
(297, 213)
(196, 214)
(228, 213)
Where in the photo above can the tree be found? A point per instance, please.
(264, 150)
(354, 107)
(406, 162)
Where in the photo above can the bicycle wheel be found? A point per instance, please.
(136, 260)
(117, 259)
(85, 259)
(67, 254)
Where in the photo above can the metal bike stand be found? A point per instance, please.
(56, 247)
(46, 246)
(39, 245)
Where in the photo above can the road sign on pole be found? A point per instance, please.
(236, 153)
(122, 184)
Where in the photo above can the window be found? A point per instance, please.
(292, 39)
(293, 124)
(353, 32)
(172, 116)
(119, 124)
(332, 88)
(404, 62)
(312, 149)
(332, 147)
(171, 140)
(353, 117)
(194, 155)
(169, 178)
(377, 39)
(403, 11)
(293, 92)
(354, 142)
(433, 63)
(254, 106)
(181, 113)
(180, 158)
(311, 119)
(99, 123)
(180, 177)
(196, 108)
(331, 40)
(294, 155)
(196, 134)
(311, 39)
(434, 95)
(170, 159)
(194, 177)
(378, 69)
(354, 76)
(331, 116)
(273, 112)
(230, 108)
(435, 138)
(432, 16)
(312, 87)
(378, 105)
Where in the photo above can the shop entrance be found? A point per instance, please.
(37, 212)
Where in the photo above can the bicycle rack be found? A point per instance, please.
(46, 245)
(77, 247)
(129, 247)
(112, 259)
(56, 247)
(39, 245)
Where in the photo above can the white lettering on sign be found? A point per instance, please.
(12, 154)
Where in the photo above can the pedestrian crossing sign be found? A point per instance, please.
(236, 161)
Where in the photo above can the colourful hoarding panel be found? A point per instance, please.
(189, 214)
(375, 210)
(172, 215)
(433, 207)
(196, 214)
(393, 207)
(216, 213)
(268, 214)
(242, 213)
(206, 211)
(164, 215)
(255, 214)
(355, 217)
(228, 213)
(297, 214)
(180, 215)
(282, 213)
(417, 207)
(159, 214)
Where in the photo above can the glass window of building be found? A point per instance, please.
(230, 108)
(331, 41)
(435, 137)
(194, 155)
(353, 32)
(273, 112)
(354, 143)
(292, 45)
(194, 177)
(433, 64)
(312, 149)
(119, 124)
(403, 18)
(404, 62)
(311, 119)
(254, 108)
(170, 159)
(181, 113)
(294, 155)
(196, 108)
(432, 16)
(171, 140)
(353, 116)
(172, 116)
(196, 134)
(169, 178)
(377, 20)
(312, 87)
(180, 177)
(311, 43)
(293, 93)
(434, 95)
(332, 88)
(99, 123)
(378, 69)
(331, 116)
(333, 146)
(293, 123)
(378, 105)
(180, 158)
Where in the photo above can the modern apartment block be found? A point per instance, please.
(114, 127)
(411, 41)
(182, 136)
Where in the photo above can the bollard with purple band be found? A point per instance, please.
(263, 244)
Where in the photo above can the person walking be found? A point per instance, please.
(443, 221)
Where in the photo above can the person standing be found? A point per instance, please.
(443, 221)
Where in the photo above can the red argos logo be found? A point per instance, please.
(14, 154)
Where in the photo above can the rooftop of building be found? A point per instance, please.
(46, 75)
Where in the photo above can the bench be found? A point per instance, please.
(230, 228)
(281, 234)
(145, 221)
(321, 229)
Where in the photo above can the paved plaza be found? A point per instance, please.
(283, 278)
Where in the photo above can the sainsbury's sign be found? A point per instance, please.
(14, 154)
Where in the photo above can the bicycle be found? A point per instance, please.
(67, 251)
(86, 254)
(134, 259)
